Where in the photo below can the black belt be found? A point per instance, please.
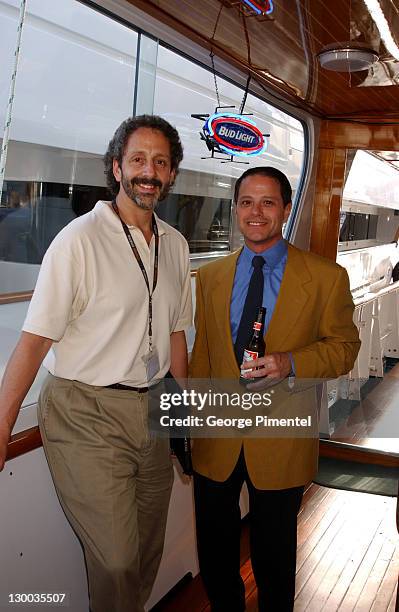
(127, 388)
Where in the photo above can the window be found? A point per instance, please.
(370, 197)
(76, 82)
(357, 226)
(204, 221)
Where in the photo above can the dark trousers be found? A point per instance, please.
(273, 540)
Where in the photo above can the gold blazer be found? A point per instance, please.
(313, 319)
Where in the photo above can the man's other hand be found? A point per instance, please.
(19, 375)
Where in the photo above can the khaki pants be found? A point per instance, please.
(113, 481)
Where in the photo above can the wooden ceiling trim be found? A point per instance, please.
(380, 94)
(334, 87)
(335, 91)
(167, 19)
(282, 53)
(377, 96)
(352, 135)
(229, 29)
(280, 46)
(277, 85)
(311, 16)
(269, 40)
(194, 13)
(363, 101)
(340, 7)
(331, 34)
(280, 49)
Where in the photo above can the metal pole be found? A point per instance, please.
(7, 125)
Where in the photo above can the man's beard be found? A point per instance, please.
(145, 201)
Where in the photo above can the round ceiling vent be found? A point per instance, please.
(347, 59)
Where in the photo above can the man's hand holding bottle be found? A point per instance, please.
(272, 365)
(257, 364)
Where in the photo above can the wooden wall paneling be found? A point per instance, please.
(358, 135)
(330, 179)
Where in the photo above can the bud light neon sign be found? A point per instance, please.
(234, 135)
(260, 7)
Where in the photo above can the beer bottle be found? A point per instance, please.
(256, 347)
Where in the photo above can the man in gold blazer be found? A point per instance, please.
(310, 335)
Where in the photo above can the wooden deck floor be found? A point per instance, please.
(348, 544)
(348, 557)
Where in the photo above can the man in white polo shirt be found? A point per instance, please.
(112, 301)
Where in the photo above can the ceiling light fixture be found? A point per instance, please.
(347, 57)
(380, 21)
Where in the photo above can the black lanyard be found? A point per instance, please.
(141, 265)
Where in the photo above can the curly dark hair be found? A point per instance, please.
(269, 171)
(117, 144)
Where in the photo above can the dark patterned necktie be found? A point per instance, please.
(253, 301)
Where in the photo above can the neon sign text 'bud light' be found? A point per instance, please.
(235, 135)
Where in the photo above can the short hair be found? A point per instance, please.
(269, 171)
(117, 145)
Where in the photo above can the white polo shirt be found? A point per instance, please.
(92, 300)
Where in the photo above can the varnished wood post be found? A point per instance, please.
(327, 204)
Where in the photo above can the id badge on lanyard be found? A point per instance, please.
(150, 359)
(151, 362)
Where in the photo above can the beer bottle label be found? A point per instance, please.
(248, 356)
(257, 326)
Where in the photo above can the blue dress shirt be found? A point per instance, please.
(273, 270)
